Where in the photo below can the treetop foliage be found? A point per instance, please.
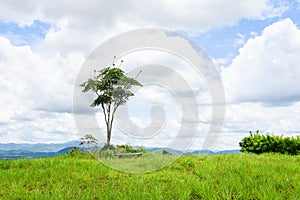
(111, 85)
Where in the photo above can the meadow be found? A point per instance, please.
(81, 176)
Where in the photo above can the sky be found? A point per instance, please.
(255, 45)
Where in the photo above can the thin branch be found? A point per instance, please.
(97, 93)
(128, 84)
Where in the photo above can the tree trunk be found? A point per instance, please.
(108, 134)
(109, 125)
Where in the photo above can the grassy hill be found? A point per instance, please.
(80, 176)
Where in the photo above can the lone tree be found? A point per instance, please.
(88, 140)
(112, 88)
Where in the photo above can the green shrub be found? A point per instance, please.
(257, 143)
(129, 149)
(108, 147)
(165, 152)
(111, 151)
(77, 153)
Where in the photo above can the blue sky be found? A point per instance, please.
(24, 35)
(254, 44)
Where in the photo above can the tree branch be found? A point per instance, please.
(104, 112)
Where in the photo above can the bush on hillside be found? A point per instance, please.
(257, 143)
(129, 149)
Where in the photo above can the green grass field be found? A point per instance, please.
(240, 176)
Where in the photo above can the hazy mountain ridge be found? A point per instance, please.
(207, 152)
(38, 147)
(15, 151)
(38, 150)
(15, 154)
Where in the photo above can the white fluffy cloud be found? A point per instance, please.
(34, 90)
(190, 14)
(267, 67)
(35, 81)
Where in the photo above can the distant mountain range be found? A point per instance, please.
(206, 152)
(24, 150)
(39, 147)
(15, 154)
(15, 151)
